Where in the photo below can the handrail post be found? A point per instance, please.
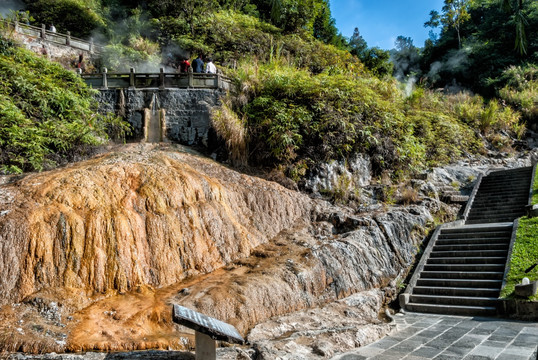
(161, 79)
(105, 79)
(91, 45)
(43, 31)
(190, 75)
(16, 26)
(68, 39)
(219, 81)
(132, 78)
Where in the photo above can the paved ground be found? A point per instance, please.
(441, 337)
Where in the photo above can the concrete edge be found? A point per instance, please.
(529, 203)
(471, 198)
(403, 298)
(509, 255)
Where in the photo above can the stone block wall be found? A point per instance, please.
(187, 110)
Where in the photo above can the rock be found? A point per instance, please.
(340, 175)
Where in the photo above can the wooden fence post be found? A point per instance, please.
(43, 31)
(91, 45)
(190, 75)
(132, 78)
(161, 79)
(68, 39)
(105, 80)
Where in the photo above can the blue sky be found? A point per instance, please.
(381, 21)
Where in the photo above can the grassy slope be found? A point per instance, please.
(525, 251)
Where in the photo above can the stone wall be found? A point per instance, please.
(187, 111)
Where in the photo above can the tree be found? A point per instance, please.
(66, 15)
(357, 44)
(378, 61)
(517, 8)
(455, 13)
(405, 57)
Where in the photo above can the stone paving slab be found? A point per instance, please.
(444, 337)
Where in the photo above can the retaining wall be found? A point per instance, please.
(187, 111)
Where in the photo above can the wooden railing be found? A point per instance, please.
(56, 38)
(160, 80)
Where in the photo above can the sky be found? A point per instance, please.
(381, 21)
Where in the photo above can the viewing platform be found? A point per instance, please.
(161, 80)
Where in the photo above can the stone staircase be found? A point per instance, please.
(501, 197)
(462, 269)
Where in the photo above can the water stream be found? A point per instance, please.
(154, 120)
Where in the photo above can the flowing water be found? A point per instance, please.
(154, 119)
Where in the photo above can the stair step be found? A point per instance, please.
(473, 247)
(454, 300)
(490, 220)
(468, 253)
(498, 240)
(512, 185)
(464, 267)
(468, 260)
(493, 199)
(505, 207)
(475, 235)
(452, 309)
(482, 283)
(471, 275)
(456, 291)
(466, 229)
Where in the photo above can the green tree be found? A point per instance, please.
(357, 44)
(405, 57)
(455, 14)
(66, 15)
(516, 7)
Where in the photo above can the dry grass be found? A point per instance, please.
(233, 130)
(408, 195)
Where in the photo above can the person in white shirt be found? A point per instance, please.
(210, 67)
(52, 28)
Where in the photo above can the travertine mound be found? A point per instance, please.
(134, 217)
(94, 255)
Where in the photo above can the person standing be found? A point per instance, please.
(52, 28)
(198, 65)
(210, 67)
(184, 65)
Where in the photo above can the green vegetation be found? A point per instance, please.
(524, 255)
(525, 251)
(47, 114)
(297, 119)
(78, 16)
(305, 94)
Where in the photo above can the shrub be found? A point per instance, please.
(67, 15)
(47, 114)
(521, 90)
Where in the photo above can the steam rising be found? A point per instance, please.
(6, 6)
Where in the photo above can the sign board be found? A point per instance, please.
(216, 329)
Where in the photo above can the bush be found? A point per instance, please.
(47, 114)
(141, 54)
(521, 90)
(66, 15)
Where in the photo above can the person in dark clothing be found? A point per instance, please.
(198, 65)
